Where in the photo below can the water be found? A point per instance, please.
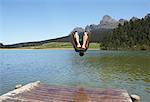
(104, 69)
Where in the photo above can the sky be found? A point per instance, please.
(36, 20)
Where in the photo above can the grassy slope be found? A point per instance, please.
(58, 45)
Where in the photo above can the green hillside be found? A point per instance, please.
(95, 37)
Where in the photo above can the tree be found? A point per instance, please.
(129, 35)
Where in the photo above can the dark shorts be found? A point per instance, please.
(81, 34)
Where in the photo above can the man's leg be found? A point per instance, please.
(85, 37)
(76, 36)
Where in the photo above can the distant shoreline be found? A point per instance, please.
(52, 46)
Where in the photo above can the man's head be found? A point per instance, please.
(81, 53)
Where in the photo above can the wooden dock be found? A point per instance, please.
(38, 92)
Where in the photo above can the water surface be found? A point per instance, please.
(104, 69)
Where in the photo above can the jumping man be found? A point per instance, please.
(80, 41)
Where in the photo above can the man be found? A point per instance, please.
(80, 41)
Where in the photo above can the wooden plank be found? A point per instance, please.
(37, 92)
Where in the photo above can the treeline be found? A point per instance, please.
(133, 34)
(98, 35)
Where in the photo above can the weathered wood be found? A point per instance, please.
(37, 92)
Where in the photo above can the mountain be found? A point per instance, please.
(107, 22)
(121, 21)
(134, 18)
(147, 16)
(99, 31)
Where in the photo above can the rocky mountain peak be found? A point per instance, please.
(121, 21)
(134, 18)
(91, 27)
(148, 15)
(108, 22)
(107, 19)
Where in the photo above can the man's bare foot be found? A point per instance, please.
(78, 45)
(83, 46)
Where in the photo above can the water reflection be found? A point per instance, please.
(81, 96)
(116, 69)
(132, 67)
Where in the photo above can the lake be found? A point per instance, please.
(103, 69)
